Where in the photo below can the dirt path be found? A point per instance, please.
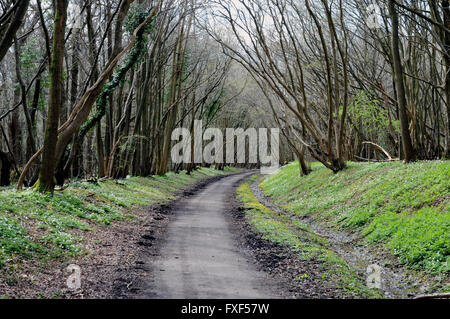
(200, 257)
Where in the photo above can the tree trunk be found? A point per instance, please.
(5, 169)
(13, 26)
(46, 182)
(408, 149)
(446, 18)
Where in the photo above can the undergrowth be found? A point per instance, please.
(280, 229)
(40, 227)
(404, 208)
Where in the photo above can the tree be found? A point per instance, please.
(10, 22)
(408, 149)
(46, 181)
(446, 56)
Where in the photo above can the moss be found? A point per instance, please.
(136, 16)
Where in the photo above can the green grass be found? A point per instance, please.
(299, 238)
(40, 227)
(405, 208)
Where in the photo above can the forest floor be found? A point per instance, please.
(210, 235)
(392, 215)
(97, 225)
(293, 253)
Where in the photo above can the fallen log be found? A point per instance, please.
(380, 148)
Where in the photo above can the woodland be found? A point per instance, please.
(94, 88)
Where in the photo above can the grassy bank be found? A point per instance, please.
(403, 208)
(283, 230)
(37, 228)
